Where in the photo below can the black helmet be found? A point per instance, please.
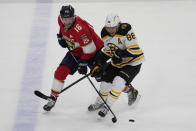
(67, 11)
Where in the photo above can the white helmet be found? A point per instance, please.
(112, 20)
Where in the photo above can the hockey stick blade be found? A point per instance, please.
(41, 95)
(114, 119)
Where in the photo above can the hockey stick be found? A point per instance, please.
(114, 119)
(43, 96)
(75, 82)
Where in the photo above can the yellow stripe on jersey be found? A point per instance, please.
(137, 59)
(128, 61)
(135, 51)
(124, 61)
(118, 35)
(105, 37)
(131, 46)
(107, 52)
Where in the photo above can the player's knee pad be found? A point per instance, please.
(105, 87)
(61, 72)
(118, 84)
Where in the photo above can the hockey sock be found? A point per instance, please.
(57, 86)
(104, 91)
(117, 87)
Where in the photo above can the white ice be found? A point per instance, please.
(166, 33)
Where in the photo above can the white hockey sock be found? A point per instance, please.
(104, 91)
(117, 87)
(57, 86)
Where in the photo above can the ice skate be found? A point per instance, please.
(103, 111)
(50, 104)
(94, 107)
(133, 96)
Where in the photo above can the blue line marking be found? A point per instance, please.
(26, 112)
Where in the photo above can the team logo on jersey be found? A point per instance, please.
(123, 26)
(112, 47)
(70, 44)
(85, 39)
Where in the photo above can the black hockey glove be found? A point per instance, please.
(96, 71)
(62, 41)
(82, 67)
(117, 56)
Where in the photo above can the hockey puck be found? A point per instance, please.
(131, 120)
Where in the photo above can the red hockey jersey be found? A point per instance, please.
(85, 41)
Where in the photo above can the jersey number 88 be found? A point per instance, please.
(130, 36)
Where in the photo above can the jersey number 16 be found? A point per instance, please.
(78, 27)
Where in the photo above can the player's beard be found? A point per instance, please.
(67, 26)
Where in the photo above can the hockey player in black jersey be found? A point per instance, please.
(121, 46)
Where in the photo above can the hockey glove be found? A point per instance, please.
(117, 57)
(96, 71)
(61, 41)
(82, 67)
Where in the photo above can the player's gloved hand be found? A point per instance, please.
(82, 67)
(96, 71)
(62, 41)
(117, 56)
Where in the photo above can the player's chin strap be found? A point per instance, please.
(114, 119)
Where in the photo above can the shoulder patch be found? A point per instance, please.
(124, 28)
(85, 39)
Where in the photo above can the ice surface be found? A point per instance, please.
(166, 33)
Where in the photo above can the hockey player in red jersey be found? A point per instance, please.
(83, 43)
(121, 45)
